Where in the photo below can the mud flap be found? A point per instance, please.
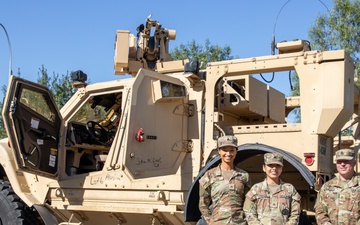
(47, 216)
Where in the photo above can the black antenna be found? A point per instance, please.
(329, 35)
(324, 6)
(273, 46)
(10, 50)
(273, 36)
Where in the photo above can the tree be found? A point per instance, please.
(295, 91)
(60, 86)
(340, 29)
(194, 51)
(337, 29)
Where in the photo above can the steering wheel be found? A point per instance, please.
(97, 132)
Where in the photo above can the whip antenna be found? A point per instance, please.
(273, 35)
(273, 46)
(10, 50)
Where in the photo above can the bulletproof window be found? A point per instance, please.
(37, 102)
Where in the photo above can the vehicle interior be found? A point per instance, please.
(90, 133)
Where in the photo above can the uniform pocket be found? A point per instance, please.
(239, 186)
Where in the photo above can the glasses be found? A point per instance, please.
(344, 161)
(273, 165)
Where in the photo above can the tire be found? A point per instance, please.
(12, 210)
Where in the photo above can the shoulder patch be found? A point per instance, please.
(204, 181)
(289, 187)
(251, 195)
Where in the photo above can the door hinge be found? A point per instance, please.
(13, 105)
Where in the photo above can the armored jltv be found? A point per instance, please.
(132, 151)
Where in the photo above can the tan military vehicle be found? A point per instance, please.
(131, 151)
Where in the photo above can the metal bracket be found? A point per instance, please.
(157, 217)
(13, 105)
(119, 217)
(183, 146)
(185, 110)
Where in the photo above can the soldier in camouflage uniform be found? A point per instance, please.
(272, 201)
(338, 201)
(224, 188)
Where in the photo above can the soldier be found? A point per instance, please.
(272, 201)
(338, 201)
(224, 187)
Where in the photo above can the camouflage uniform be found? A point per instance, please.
(281, 207)
(338, 202)
(227, 204)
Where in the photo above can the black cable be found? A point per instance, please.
(279, 15)
(291, 86)
(268, 81)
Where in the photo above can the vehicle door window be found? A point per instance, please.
(36, 101)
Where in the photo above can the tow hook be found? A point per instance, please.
(140, 135)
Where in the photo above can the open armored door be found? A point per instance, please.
(32, 121)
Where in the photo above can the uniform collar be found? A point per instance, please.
(264, 185)
(354, 181)
(218, 170)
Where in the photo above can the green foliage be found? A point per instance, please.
(340, 29)
(337, 29)
(59, 86)
(296, 92)
(195, 51)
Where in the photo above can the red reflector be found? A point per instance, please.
(309, 161)
(9, 144)
(309, 158)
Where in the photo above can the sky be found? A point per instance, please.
(70, 35)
